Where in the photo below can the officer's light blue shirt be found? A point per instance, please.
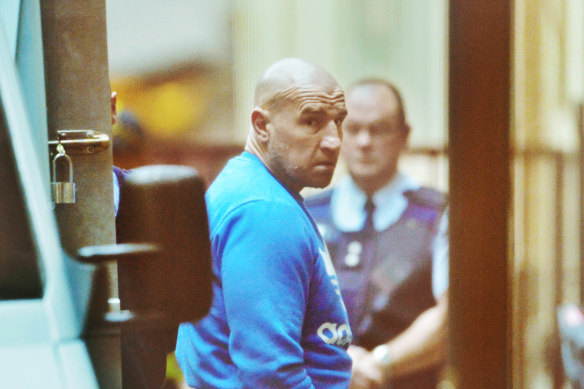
(348, 214)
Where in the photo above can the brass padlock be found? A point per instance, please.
(63, 192)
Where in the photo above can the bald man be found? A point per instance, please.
(277, 318)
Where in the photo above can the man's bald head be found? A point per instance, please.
(275, 83)
(296, 124)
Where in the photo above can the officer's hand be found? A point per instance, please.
(367, 374)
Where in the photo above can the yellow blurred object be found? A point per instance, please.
(169, 108)
(173, 371)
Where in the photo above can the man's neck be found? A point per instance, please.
(253, 148)
(371, 186)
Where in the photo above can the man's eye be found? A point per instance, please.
(378, 130)
(350, 130)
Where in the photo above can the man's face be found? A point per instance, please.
(305, 131)
(374, 136)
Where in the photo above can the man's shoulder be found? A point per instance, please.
(320, 199)
(427, 197)
(263, 199)
(239, 179)
(425, 205)
(319, 205)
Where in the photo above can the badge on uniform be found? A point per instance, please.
(353, 256)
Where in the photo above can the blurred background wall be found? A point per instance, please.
(184, 71)
(546, 256)
(171, 66)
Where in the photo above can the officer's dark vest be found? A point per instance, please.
(390, 284)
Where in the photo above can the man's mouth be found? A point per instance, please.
(327, 164)
(365, 161)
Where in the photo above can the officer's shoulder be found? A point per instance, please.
(427, 197)
(120, 173)
(319, 199)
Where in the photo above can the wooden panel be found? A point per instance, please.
(479, 129)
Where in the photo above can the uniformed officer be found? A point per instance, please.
(387, 238)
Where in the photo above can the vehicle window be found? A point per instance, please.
(19, 269)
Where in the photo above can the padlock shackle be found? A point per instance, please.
(54, 167)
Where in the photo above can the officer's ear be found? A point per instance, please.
(405, 134)
(114, 107)
(259, 122)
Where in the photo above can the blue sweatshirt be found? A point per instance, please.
(277, 318)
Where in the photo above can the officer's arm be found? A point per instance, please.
(421, 345)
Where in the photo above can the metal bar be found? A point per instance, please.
(78, 97)
(558, 375)
(581, 171)
(81, 141)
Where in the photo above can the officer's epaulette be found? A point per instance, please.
(321, 198)
(427, 197)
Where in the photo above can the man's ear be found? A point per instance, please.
(407, 130)
(406, 135)
(259, 122)
(114, 107)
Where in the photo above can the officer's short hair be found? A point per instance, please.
(392, 88)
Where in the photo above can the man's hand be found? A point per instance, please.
(367, 373)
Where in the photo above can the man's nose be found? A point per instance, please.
(363, 138)
(332, 136)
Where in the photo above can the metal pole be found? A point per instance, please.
(77, 96)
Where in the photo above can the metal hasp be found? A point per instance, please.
(81, 141)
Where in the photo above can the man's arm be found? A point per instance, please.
(265, 281)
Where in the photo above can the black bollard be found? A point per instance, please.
(163, 206)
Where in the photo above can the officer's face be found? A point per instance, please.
(374, 136)
(305, 135)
